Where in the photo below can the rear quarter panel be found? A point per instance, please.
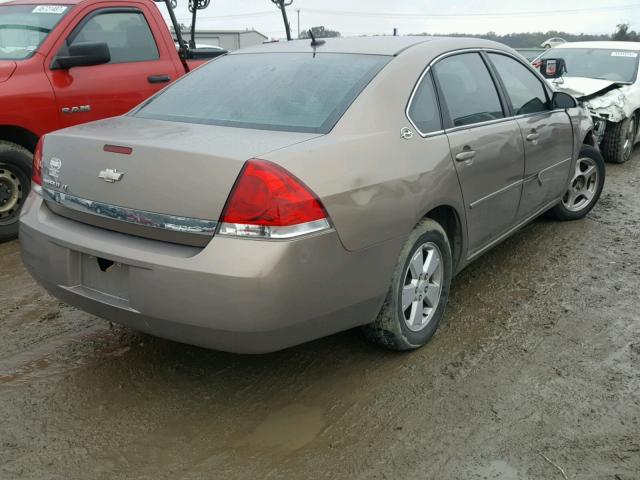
(375, 185)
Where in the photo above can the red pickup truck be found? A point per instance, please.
(64, 62)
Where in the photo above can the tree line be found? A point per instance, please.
(535, 39)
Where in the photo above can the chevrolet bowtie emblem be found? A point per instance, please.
(111, 175)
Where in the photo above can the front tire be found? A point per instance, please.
(419, 291)
(585, 186)
(618, 141)
(15, 183)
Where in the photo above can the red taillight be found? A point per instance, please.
(36, 171)
(268, 201)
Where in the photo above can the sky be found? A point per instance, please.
(357, 17)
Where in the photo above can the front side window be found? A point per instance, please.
(296, 92)
(24, 27)
(468, 89)
(424, 110)
(525, 91)
(126, 33)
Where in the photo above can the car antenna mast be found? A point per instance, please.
(314, 42)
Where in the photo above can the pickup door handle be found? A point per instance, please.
(533, 136)
(159, 78)
(465, 155)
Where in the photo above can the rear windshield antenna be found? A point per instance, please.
(314, 42)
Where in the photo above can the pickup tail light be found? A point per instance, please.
(269, 202)
(36, 170)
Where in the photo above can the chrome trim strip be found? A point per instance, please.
(538, 175)
(131, 215)
(496, 193)
(479, 124)
(273, 233)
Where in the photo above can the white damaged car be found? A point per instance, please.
(604, 77)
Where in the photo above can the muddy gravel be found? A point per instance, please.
(538, 356)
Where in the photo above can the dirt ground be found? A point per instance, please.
(539, 354)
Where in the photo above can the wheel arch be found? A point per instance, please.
(21, 136)
(449, 218)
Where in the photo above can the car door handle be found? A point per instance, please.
(159, 78)
(465, 155)
(533, 136)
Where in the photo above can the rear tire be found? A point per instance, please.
(419, 291)
(15, 183)
(585, 186)
(617, 145)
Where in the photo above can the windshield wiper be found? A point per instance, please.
(25, 27)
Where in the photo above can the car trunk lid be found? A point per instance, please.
(163, 180)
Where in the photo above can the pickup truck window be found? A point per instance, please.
(24, 27)
(293, 92)
(126, 33)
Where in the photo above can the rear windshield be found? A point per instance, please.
(602, 63)
(296, 92)
(24, 27)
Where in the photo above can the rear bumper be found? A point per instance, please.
(236, 295)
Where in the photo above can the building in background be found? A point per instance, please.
(227, 39)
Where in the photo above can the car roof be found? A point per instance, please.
(602, 44)
(378, 45)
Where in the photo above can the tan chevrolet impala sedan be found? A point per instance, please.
(292, 190)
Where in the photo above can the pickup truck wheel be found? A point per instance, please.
(618, 141)
(419, 291)
(585, 186)
(15, 168)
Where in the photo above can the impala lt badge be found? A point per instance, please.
(111, 175)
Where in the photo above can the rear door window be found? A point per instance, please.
(525, 91)
(424, 111)
(468, 89)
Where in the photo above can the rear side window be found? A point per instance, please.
(525, 91)
(468, 89)
(126, 33)
(296, 92)
(423, 110)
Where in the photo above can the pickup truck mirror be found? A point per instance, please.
(563, 100)
(83, 55)
(553, 67)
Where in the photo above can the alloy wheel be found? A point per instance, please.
(583, 187)
(422, 286)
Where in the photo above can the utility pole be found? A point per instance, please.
(298, 23)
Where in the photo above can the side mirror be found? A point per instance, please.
(83, 55)
(563, 100)
(553, 67)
